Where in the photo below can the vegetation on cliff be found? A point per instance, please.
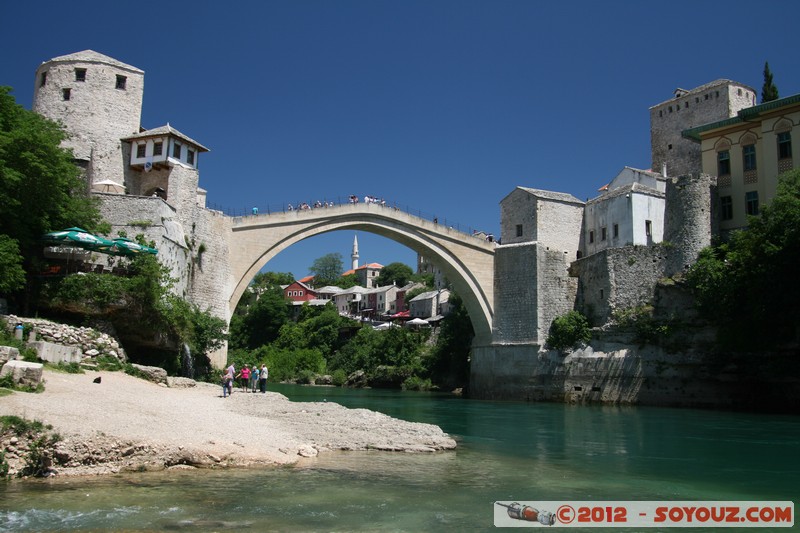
(145, 311)
(748, 286)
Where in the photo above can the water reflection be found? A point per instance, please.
(507, 451)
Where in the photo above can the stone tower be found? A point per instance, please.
(711, 102)
(690, 219)
(99, 101)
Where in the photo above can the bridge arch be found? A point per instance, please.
(466, 260)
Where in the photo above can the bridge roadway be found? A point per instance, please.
(466, 260)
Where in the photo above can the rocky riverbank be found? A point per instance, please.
(128, 424)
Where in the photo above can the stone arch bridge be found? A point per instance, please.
(466, 260)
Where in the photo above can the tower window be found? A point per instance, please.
(190, 156)
(66, 93)
(176, 151)
(616, 230)
(43, 79)
(80, 74)
(602, 234)
(158, 148)
(519, 230)
(591, 237)
(648, 228)
(121, 81)
(141, 150)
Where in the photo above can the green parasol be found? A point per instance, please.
(78, 237)
(123, 246)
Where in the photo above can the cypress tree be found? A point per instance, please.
(768, 91)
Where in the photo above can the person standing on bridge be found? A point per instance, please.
(255, 210)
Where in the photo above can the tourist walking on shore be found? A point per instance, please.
(254, 378)
(227, 379)
(262, 378)
(232, 371)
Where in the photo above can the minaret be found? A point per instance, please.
(354, 255)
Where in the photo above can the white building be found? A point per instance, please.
(629, 212)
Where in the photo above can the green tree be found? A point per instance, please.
(397, 273)
(568, 330)
(748, 286)
(40, 187)
(261, 282)
(12, 275)
(345, 282)
(266, 280)
(449, 361)
(326, 269)
(769, 91)
(262, 322)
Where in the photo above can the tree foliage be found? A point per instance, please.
(568, 330)
(748, 286)
(394, 273)
(326, 269)
(41, 189)
(449, 361)
(12, 275)
(769, 91)
(262, 321)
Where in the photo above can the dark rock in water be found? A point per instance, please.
(97, 379)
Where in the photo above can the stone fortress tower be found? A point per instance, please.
(713, 101)
(99, 101)
(147, 179)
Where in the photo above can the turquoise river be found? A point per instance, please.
(506, 451)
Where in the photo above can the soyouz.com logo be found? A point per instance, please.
(644, 514)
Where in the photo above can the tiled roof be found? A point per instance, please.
(552, 195)
(636, 188)
(165, 130)
(91, 56)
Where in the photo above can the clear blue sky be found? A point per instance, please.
(442, 106)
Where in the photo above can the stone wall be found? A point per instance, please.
(616, 279)
(92, 342)
(158, 222)
(516, 290)
(532, 286)
(624, 373)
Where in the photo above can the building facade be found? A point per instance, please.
(747, 153)
(630, 212)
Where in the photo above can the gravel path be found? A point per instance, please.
(125, 423)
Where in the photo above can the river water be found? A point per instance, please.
(506, 451)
